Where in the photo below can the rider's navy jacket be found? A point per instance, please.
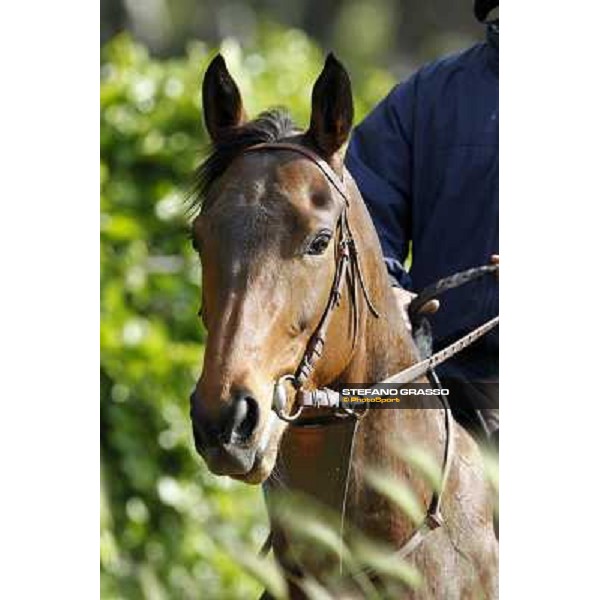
(426, 163)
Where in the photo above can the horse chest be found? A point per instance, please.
(314, 461)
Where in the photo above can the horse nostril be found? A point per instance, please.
(234, 423)
(244, 418)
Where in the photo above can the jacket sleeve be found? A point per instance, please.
(380, 159)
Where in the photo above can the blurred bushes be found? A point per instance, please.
(162, 512)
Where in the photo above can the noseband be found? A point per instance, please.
(347, 256)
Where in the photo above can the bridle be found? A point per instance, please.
(347, 256)
(348, 269)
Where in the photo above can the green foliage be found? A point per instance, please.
(165, 519)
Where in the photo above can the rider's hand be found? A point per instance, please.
(403, 299)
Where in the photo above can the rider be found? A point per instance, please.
(426, 162)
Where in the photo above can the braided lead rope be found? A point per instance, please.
(325, 397)
(447, 283)
(419, 369)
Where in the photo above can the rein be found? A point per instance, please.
(348, 268)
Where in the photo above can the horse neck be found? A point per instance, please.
(387, 348)
(315, 461)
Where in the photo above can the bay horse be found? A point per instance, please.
(266, 233)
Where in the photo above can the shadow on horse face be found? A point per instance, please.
(266, 234)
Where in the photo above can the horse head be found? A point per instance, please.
(266, 236)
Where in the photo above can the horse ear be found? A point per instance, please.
(332, 108)
(221, 99)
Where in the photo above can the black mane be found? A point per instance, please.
(270, 126)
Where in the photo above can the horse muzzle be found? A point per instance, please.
(225, 440)
(228, 459)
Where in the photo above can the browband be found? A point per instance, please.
(336, 181)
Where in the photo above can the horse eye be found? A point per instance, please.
(319, 244)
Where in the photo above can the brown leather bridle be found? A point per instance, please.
(347, 264)
(347, 257)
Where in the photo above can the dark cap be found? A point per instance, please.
(483, 7)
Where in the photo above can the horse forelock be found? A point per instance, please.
(270, 126)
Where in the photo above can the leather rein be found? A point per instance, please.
(348, 268)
